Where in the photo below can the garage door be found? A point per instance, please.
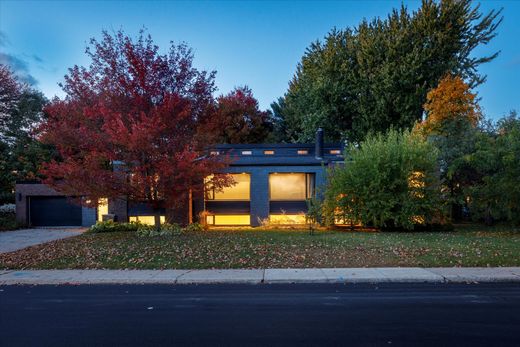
(53, 211)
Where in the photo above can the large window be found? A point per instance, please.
(102, 208)
(238, 219)
(239, 191)
(291, 186)
(148, 220)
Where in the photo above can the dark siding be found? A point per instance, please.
(228, 207)
(289, 207)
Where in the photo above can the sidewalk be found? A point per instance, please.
(256, 276)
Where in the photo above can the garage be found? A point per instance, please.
(53, 211)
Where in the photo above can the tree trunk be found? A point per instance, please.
(190, 207)
(157, 220)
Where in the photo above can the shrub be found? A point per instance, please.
(167, 229)
(391, 181)
(7, 208)
(111, 226)
(194, 227)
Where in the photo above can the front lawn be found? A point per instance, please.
(467, 246)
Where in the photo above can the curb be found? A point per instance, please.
(258, 276)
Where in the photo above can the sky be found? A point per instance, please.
(257, 44)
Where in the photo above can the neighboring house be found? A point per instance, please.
(273, 183)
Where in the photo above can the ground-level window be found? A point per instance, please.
(226, 219)
(291, 186)
(102, 208)
(239, 191)
(287, 219)
(149, 220)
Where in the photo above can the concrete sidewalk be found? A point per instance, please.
(256, 276)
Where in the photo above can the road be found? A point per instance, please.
(261, 315)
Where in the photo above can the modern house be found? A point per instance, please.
(273, 184)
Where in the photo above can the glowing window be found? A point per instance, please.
(291, 186)
(247, 152)
(335, 151)
(237, 219)
(102, 208)
(149, 220)
(269, 152)
(239, 191)
(214, 153)
(303, 152)
(287, 219)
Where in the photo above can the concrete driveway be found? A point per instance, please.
(18, 239)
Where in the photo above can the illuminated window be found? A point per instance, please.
(239, 191)
(287, 219)
(303, 152)
(335, 151)
(291, 186)
(269, 152)
(247, 152)
(214, 153)
(149, 220)
(221, 219)
(102, 208)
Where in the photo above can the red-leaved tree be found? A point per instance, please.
(238, 119)
(128, 125)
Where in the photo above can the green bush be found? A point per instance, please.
(389, 181)
(8, 221)
(194, 227)
(167, 229)
(111, 226)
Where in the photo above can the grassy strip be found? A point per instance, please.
(466, 246)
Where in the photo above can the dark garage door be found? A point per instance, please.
(53, 211)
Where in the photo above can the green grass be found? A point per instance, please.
(466, 246)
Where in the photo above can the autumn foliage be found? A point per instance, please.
(452, 100)
(238, 119)
(128, 124)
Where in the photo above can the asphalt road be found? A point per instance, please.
(262, 315)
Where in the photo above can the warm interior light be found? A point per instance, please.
(238, 219)
(239, 191)
(303, 152)
(269, 152)
(287, 218)
(102, 208)
(335, 151)
(148, 220)
(287, 186)
(214, 152)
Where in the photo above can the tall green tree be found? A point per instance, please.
(21, 112)
(376, 75)
(495, 196)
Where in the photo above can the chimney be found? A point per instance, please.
(318, 152)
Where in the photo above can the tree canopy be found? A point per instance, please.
(377, 75)
(128, 124)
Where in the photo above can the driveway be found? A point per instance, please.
(18, 239)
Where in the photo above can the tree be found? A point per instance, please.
(21, 112)
(10, 91)
(369, 78)
(452, 118)
(389, 181)
(128, 125)
(238, 119)
(495, 196)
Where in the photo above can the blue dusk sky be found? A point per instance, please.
(248, 43)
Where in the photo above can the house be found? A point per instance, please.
(273, 184)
